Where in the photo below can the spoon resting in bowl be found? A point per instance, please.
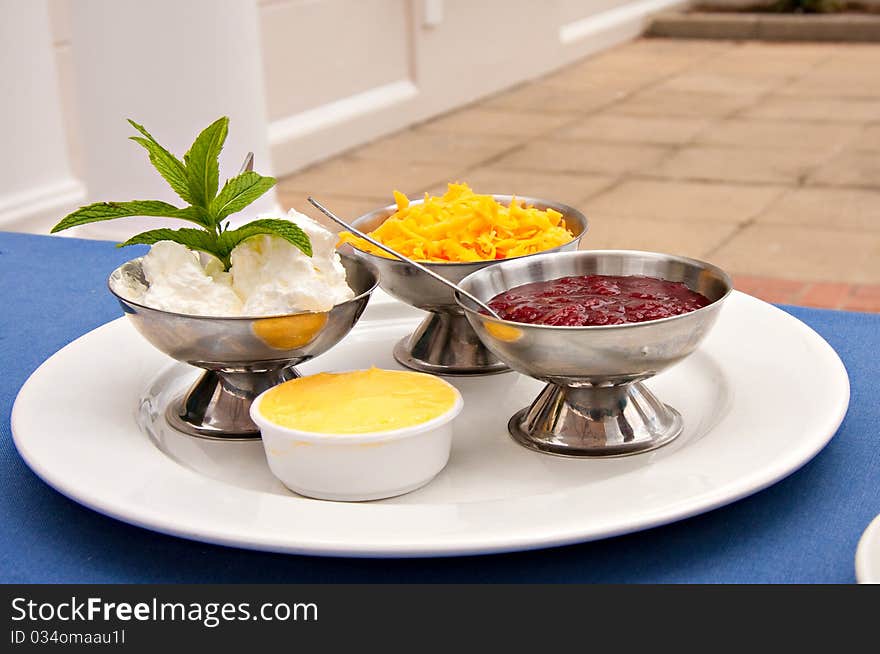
(398, 255)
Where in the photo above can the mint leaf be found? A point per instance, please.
(287, 230)
(239, 192)
(202, 167)
(100, 211)
(194, 239)
(196, 180)
(170, 167)
(196, 215)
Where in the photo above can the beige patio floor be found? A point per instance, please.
(763, 158)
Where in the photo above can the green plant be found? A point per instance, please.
(196, 181)
(809, 6)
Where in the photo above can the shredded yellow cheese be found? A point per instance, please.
(462, 226)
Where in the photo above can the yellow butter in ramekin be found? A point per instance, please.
(358, 402)
(371, 433)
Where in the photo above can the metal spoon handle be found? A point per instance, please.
(406, 260)
(248, 163)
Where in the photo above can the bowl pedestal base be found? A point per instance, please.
(218, 404)
(445, 344)
(595, 421)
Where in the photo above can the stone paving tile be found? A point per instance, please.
(552, 99)
(660, 56)
(755, 165)
(835, 83)
(429, 146)
(588, 76)
(863, 297)
(624, 61)
(869, 139)
(785, 107)
(607, 231)
(822, 295)
(804, 55)
(770, 289)
(778, 72)
(351, 176)
(807, 253)
(859, 56)
(761, 157)
(763, 59)
(724, 84)
(684, 201)
(849, 209)
(850, 168)
(612, 127)
(779, 134)
(695, 49)
(493, 122)
(571, 189)
(663, 102)
(825, 294)
(562, 156)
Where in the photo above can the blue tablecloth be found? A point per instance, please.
(801, 530)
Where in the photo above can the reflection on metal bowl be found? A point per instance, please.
(242, 356)
(444, 343)
(594, 403)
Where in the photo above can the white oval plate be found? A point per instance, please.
(868, 554)
(761, 396)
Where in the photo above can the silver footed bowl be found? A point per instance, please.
(444, 343)
(241, 356)
(594, 404)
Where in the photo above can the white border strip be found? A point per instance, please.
(29, 209)
(611, 19)
(337, 112)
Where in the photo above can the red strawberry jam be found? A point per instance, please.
(596, 300)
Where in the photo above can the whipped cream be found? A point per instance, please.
(268, 276)
(179, 281)
(271, 275)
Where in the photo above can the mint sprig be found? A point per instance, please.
(221, 246)
(239, 192)
(196, 180)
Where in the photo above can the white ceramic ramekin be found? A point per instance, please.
(357, 467)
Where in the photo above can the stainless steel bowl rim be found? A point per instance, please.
(629, 325)
(206, 317)
(556, 206)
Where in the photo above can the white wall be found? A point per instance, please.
(306, 78)
(184, 65)
(36, 182)
(378, 65)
